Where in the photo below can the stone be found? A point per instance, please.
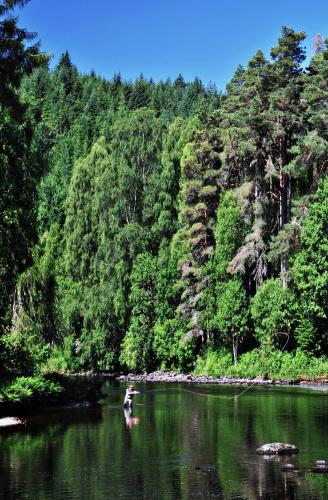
(288, 468)
(277, 449)
(10, 422)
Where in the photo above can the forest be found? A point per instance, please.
(163, 225)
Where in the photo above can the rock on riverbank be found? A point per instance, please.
(277, 449)
(173, 377)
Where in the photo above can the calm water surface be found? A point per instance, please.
(175, 445)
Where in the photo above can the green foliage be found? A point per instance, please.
(19, 170)
(61, 358)
(273, 313)
(310, 269)
(166, 343)
(225, 315)
(310, 274)
(213, 363)
(27, 389)
(231, 318)
(137, 344)
(21, 352)
(142, 222)
(274, 364)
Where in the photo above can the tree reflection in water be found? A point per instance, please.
(181, 447)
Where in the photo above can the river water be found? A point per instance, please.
(174, 445)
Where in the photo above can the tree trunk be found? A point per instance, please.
(234, 350)
(282, 200)
(283, 270)
(283, 205)
(282, 222)
(289, 197)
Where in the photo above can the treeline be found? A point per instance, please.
(146, 224)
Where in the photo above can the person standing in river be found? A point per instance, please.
(130, 392)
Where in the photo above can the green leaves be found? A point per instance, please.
(137, 346)
(28, 389)
(310, 274)
(146, 219)
(273, 313)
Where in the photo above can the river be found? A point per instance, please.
(174, 445)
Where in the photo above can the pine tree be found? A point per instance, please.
(312, 151)
(286, 118)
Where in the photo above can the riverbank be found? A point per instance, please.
(174, 377)
(26, 394)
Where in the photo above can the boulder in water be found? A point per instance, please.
(277, 449)
(10, 422)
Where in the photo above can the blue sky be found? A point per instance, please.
(162, 38)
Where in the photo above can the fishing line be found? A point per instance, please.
(196, 393)
(236, 396)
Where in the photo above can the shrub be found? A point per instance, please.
(273, 312)
(25, 389)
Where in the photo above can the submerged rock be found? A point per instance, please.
(277, 449)
(10, 422)
(288, 468)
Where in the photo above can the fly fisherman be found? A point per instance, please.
(130, 392)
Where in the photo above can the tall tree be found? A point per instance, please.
(286, 116)
(199, 199)
(19, 171)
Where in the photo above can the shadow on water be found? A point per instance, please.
(171, 445)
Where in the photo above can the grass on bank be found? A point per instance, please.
(275, 365)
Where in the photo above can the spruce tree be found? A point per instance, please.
(199, 198)
(19, 171)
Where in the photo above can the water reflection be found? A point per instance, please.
(130, 421)
(186, 447)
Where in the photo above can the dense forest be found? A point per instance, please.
(163, 225)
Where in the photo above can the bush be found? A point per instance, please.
(213, 363)
(274, 364)
(21, 353)
(61, 358)
(26, 389)
(273, 311)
